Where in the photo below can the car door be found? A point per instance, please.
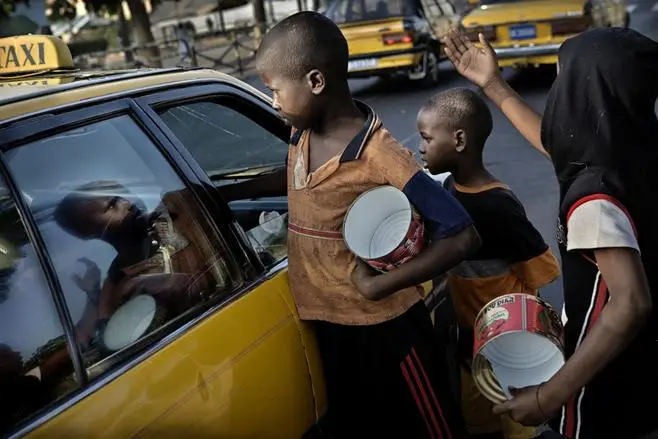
(221, 356)
(231, 133)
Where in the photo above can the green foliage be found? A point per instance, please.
(9, 6)
(103, 6)
(61, 10)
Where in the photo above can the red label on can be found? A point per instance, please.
(513, 313)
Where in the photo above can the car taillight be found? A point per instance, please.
(471, 33)
(571, 25)
(399, 38)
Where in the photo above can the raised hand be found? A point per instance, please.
(477, 64)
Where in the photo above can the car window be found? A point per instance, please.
(133, 250)
(222, 139)
(227, 144)
(35, 366)
(346, 11)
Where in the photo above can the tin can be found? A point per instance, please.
(383, 229)
(134, 319)
(518, 342)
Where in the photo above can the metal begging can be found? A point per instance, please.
(383, 229)
(518, 342)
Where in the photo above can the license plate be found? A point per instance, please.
(362, 64)
(523, 32)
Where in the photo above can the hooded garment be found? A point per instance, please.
(599, 122)
(601, 131)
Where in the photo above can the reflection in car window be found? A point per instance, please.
(223, 140)
(35, 367)
(230, 145)
(347, 11)
(130, 244)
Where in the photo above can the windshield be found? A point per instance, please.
(352, 11)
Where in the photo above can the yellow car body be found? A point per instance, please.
(387, 38)
(240, 365)
(530, 32)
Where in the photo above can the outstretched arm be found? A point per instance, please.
(480, 66)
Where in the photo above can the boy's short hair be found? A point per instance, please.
(302, 42)
(462, 108)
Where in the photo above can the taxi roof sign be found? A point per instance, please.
(32, 54)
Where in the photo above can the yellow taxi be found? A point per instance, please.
(387, 38)
(227, 358)
(530, 32)
(134, 301)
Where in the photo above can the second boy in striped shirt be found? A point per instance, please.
(454, 126)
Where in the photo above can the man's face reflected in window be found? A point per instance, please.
(102, 217)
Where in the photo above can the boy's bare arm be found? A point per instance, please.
(438, 257)
(271, 185)
(623, 316)
(524, 118)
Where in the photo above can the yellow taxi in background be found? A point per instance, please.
(134, 300)
(388, 37)
(530, 32)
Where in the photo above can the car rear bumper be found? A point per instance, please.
(527, 51)
(382, 63)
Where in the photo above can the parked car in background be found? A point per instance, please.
(388, 38)
(530, 32)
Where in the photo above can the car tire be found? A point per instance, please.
(432, 76)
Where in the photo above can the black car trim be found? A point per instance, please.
(165, 99)
(132, 93)
(31, 129)
(218, 213)
(191, 93)
(48, 268)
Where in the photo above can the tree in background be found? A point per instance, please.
(141, 22)
(15, 24)
(60, 10)
(141, 25)
(6, 8)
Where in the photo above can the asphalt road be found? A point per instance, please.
(507, 155)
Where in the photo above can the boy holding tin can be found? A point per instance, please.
(454, 126)
(384, 369)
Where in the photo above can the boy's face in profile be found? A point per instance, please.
(439, 146)
(294, 99)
